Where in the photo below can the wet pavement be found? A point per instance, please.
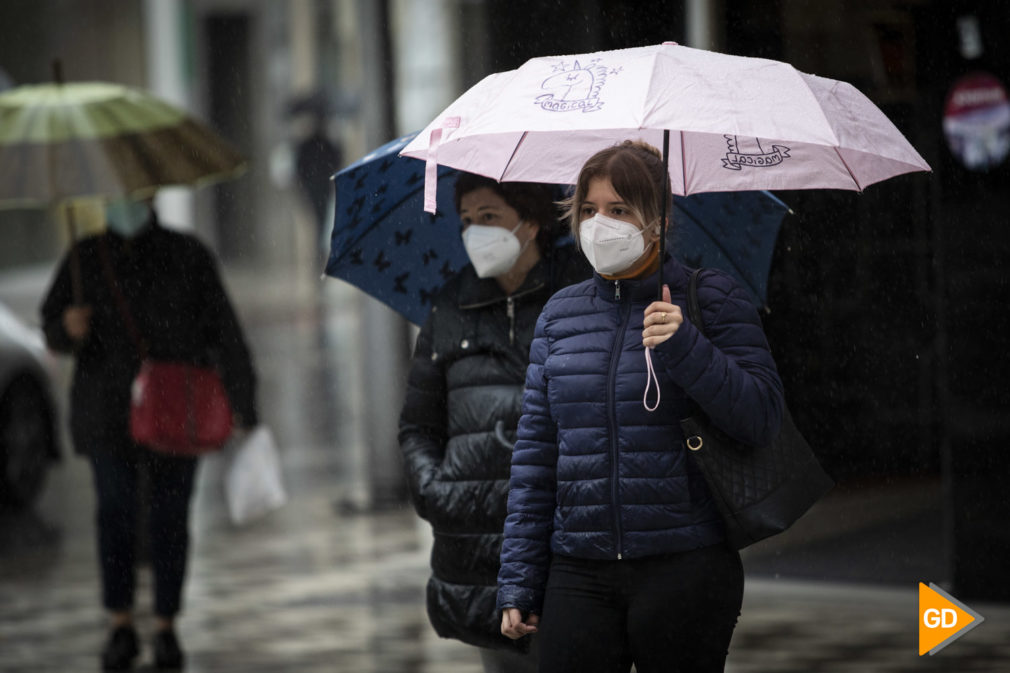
(316, 586)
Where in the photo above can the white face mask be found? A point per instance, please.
(492, 250)
(610, 245)
(126, 217)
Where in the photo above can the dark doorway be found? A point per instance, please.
(229, 103)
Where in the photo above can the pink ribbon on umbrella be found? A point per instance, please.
(431, 163)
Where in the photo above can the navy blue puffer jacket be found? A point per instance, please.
(596, 476)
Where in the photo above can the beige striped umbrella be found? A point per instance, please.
(60, 142)
(65, 141)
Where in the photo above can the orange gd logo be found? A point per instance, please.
(942, 619)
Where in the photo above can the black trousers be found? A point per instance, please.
(169, 488)
(666, 614)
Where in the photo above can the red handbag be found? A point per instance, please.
(175, 407)
(179, 408)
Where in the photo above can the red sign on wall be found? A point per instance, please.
(976, 121)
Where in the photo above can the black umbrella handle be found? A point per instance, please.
(662, 210)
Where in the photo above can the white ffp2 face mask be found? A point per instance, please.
(610, 245)
(492, 250)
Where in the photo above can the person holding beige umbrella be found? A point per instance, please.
(135, 291)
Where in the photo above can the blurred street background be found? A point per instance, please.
(887, 317)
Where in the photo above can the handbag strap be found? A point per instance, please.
(121, 303)
(693, 305)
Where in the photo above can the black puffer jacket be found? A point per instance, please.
(456, 432)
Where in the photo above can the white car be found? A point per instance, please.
(29, 436)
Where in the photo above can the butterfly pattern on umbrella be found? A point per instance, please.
(382, 240)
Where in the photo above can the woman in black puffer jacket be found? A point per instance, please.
(464, 396)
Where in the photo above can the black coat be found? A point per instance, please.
(456, 432)
(179, 306)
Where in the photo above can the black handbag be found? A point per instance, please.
(759, 490)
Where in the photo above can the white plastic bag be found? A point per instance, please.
(252, 479)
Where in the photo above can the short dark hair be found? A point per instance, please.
(534, 201)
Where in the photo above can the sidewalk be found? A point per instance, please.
(814, 626)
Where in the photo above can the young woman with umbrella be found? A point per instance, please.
(614, 551)
(463, 398)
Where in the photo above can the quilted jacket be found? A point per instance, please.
(457, 427)
(594, 474)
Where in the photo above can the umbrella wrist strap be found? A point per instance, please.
(650, 374)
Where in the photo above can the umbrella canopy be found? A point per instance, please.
(734, 123)
(383, 242)
(732, 231)
(386, 245)
(64, 141)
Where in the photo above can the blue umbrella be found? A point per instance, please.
(732, 231)
(383, 242)
(386, 245)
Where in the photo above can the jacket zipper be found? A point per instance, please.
(615, 354)
(510, 309)
(617, 290)
(495, 300)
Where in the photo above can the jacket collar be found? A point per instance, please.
(646, 289)
(475, 292)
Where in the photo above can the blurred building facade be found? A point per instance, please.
(887, 306)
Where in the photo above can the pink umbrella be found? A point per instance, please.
(733, 123)
(724, 123)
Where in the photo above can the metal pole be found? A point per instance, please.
(165, 49)
(382, 335)
(704, 19)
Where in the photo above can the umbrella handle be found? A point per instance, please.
(662, 211)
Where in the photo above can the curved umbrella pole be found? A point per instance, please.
(76, 280)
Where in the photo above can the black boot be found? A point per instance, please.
(121, 649)
(168, 655)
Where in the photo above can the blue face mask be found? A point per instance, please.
(126, 217)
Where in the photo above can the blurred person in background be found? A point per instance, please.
(178, 304)
(463, 399)
(317, 158)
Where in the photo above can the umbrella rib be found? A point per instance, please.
(852, 175)
(42, 155)
(683, 163)
(134, 142)
(515, 150)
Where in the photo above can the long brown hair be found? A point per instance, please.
(635, 169)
